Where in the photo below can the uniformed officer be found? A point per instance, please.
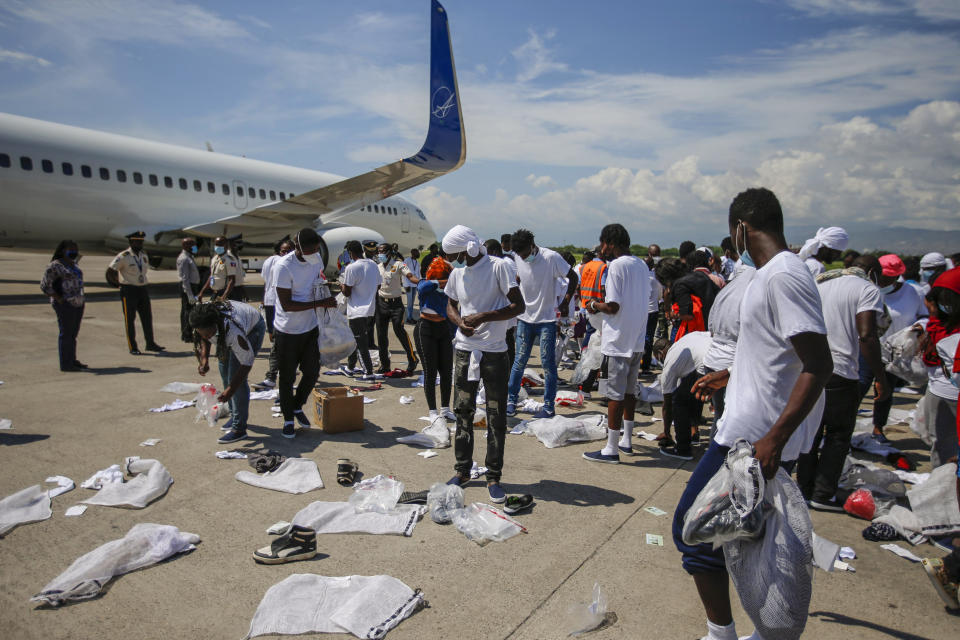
(390, 305)
(189, 285)
(235, 267)
(128, 271)
(223, 277)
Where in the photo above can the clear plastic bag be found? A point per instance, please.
(181, 388)
(590, 360)
(901, 353)
(207, 406)
(336, 340)
(443, 500)
(482, 523)
(587, 616)
(560, 430)
(730, 506)
(378, 494)
(569, 399)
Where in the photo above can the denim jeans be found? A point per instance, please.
(411, 296)
(526, 334)
(699, 558)
(240, 400)
(818, 471)
(493, 372)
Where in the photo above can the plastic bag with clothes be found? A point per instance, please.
(443, 500)
(560, 430)
(482, 523)
(336, 340)
(901, 353)
(730, 506)
(378, 494)
(590, 360)
(208, 407)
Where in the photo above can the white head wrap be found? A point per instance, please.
(461, 238)
(830, 237)
(706, 250)
(932, 261)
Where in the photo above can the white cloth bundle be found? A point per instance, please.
(151, 481)
(30, 505)
(560, 430)
(341, 517)
(461, 238)
(830, 237)
(145, 544)
(365, 606)
(294, 475)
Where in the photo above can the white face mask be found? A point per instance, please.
(312, 258)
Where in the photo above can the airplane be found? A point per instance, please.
(59, 181)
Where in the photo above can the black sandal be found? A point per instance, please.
(346, 472)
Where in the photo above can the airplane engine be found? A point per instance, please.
(334, 240)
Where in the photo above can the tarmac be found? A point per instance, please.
(589, 524)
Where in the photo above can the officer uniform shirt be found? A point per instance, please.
(235, 269)
(187, 269)
(391, 276)
(222, 266)
(132, 267)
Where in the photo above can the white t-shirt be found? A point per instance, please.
(906, 306)
(303, 279)
(482, 287)
(269, 285)
(815, 266)
(780, 302)
(240, 322)
(656, 294)
(684, 356)
(627, 284)
(537, 284)
(724, 323)
(843, 298)
(363, 276)
(414, 266)
(941, 385)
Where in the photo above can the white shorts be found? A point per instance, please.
(622, 374)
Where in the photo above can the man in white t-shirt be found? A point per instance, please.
(299, 282)
(682, 366)
(825, 247)
(624, 313)
(413, 264)
(774, 396)
(851, 305)
(359, 284)
(538, 269)
(269, 275)
(482, 295)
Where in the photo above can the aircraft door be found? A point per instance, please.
(404, 220)
(240, 195)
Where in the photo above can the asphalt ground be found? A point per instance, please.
(589, 523)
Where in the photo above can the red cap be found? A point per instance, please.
(892, 265)
(949, 280)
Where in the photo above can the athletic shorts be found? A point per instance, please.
(622, 375)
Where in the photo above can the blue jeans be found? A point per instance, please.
(240, 400)
(699, 558)
(526, 334)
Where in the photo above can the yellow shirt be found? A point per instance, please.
(391, 276)
(132, 267)
(220, 268)
(236, 270)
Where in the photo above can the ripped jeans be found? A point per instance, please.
(493, 372)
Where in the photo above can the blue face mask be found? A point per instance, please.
(530, 258)
(194, 249)
(887, 289)
(745, 255)
(220, 250)
(925, 275)
(458, 264)
(71, 255)
(945, 309)
(382, 257)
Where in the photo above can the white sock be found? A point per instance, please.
(433, 414)
(753, 636)
(718, 632)
(626, 434)
(613, 435)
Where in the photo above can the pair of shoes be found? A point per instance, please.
(413, 497)
(301, 418)
(298, 543)
(155, 347)
(266, 384)
(511, 409)
(227, 424)
(232, 436)
(543, 413)
(497, 494)
(80, 365)
(673, 452)
(600, 456)
(827, 505)
(459, 480)
(346, 472)
(136, 352)
(516, 504)
(946, 589)
(288, 430)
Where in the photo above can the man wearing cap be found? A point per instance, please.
(222, 279)
(826, 246)
(189, 284)
(931, 266)
(128, 271)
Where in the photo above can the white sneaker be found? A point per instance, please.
(448, 414)
(266, 384)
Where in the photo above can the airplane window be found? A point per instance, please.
(121, 175)
(273, 195)
(239, 190)
(291, 195)
(197, 186)
(225, 188)
(153, 180)
(211, 188)
(26, 163)
(376, 208)
(168, 182)
(4, 160)
(47, 166)
(263, 194)
(282, 196)
(137, 177)
(67, 168)
(104, 173)
(86, 171)
(183, 183)
(251, 192)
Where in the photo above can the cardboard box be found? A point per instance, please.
(337, 410)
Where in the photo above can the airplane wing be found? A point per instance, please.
(444, 150)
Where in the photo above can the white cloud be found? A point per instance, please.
(20, 58)
(540, 181)
(534, 57)
(934, 10)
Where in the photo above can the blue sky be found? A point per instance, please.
(577, 113)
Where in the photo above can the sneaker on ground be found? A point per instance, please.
(827, 505)
(232, 436)
(458, 480)
(946, 589)
(302, 418)
(543, 413)
(288, 430)
(627, 451)
(299, 543)
(413, 497)
(347, 371)
(371, 376)
(155, 347)
(497, 494)
(599, 456)
(516, 504)
(227, 424)
(672, 452)
(448, 414)
(511, 409)
(267, 383)
(881, 438)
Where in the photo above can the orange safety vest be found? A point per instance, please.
(591, 277)
(696, 324)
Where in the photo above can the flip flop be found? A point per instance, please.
(346, 472)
